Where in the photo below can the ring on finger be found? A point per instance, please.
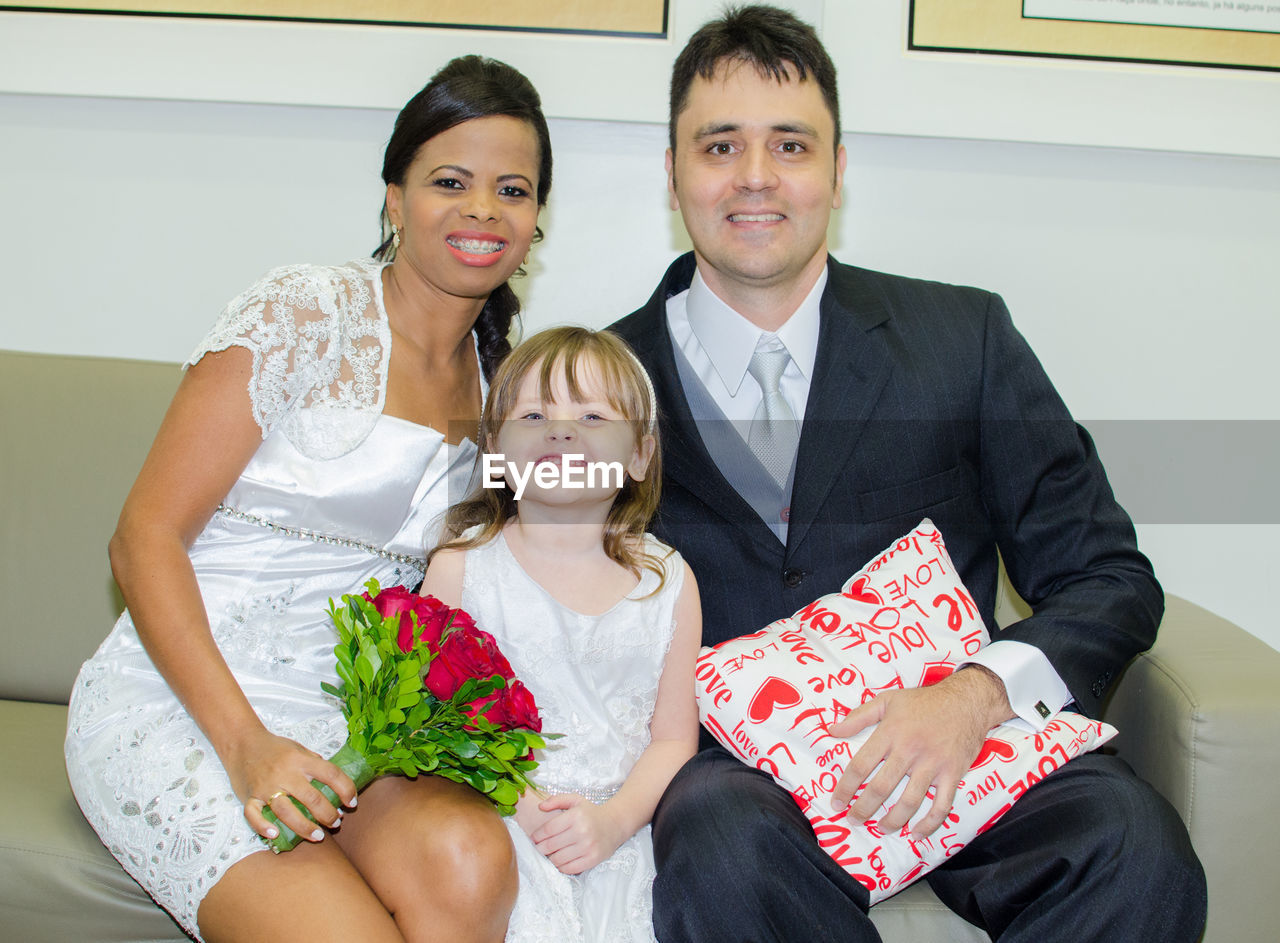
(276, 795)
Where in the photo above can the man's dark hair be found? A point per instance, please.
(772, 40)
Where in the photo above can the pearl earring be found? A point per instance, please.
(395, 237)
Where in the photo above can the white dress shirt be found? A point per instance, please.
(718, 343)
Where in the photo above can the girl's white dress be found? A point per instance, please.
(595, 679)
(337, 493)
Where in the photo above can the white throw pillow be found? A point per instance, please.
(904, 620)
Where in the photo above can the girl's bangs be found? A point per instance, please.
(622, 388)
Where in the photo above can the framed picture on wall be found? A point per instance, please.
(986, 69)
(604, 17)
(595, 59)
(1236, 34)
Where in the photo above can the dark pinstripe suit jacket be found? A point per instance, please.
(925, 402)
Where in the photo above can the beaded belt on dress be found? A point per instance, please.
(301, 532)
(597, 794)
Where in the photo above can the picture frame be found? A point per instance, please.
(887, 88)
(599, 17)
(336, 64)
(1202, 33)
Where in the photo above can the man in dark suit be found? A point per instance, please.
(812, 413)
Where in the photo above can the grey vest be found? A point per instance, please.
(732, 455)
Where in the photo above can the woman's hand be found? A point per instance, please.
(581, 836)
(266, 769)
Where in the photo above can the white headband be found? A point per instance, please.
(648, 384)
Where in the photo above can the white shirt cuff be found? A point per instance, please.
(1035, 690)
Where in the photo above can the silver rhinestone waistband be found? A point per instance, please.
(597, 794)
(275, 527)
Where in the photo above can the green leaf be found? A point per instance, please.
(459, 745)
(418, 717)
(365, 668)
(505, 794)
(364, 612)
(343, 654)
(328, 688)
(503, 751)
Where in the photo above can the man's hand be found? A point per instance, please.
(930, 736)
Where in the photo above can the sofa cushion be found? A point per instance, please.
(917, 916)
(75, 431)
(57, 881)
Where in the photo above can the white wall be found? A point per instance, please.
(1143, 279)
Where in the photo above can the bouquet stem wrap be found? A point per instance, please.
(348, 759)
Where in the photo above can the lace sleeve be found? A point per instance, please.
(319, 345)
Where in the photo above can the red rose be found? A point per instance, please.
(495, 713)
(442, 679)
(433, 616)
(522, 710)
(500, 664)
(462, 620)
(463, 655)
(392, 601)
(513, 707)
(475, 653)
(397, 602)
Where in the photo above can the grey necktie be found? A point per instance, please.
(774, 431)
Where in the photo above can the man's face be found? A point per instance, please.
(755, 174)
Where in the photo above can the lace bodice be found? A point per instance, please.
(321, 342)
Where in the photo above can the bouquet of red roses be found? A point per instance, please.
(425, 691)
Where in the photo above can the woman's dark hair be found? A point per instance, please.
(465, 88)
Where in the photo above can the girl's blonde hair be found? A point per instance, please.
(628, 390)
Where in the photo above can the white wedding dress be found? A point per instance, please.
(595, 679)
(336, 494)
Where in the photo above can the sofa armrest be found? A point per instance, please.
(1196, 716)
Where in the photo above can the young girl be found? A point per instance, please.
(598, 618)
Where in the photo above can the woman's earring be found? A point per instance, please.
(395, 237)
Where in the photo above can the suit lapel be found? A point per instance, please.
(852, 368)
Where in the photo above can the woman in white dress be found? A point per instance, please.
(599, 619)
(308, 448)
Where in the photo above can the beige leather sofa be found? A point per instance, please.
(1197, 714)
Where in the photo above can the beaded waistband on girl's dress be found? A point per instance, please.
(302, 533)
